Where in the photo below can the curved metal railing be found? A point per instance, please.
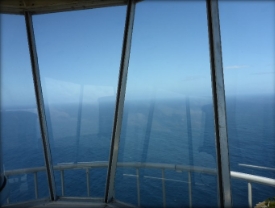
(136, 165)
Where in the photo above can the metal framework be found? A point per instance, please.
(121, 89)
(223, 170)
(248, 178)
(40, 104)
(50, 6)
(219, 104)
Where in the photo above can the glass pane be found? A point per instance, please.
(79, 56)
(168, 122)
(20, 131)
(248, 31)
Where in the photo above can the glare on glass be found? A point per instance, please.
(20, 132)
(79, 56)
(167, 135)
(247, 32)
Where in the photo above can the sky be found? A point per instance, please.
(169, 54)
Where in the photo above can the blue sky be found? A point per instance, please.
(169, 57)
(248, 31)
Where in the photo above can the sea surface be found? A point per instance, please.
(167, 131)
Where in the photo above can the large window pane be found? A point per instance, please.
(79, 55)
(248, 31)
(168, 113)
(20, 132)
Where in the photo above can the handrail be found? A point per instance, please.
(24, 171)
(84, 165)
(256, 167)
(253, 178)
(138, 165)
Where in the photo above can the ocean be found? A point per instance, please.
(168, 131)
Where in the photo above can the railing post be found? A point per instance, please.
(249, 195)
(78, 126)
(218, 94)
(40, 105)
(88, 181)
(62, 182)
(163, 188)
(138, 187)
(218, 188)
(35, 185)
(8, 199)
(121, 89)
(190, 188)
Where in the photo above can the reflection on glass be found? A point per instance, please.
(20, 132)
(247, 30)
(79, 55)
(168, 116)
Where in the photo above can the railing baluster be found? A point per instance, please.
(236, 175)
(138, 187)
(249, 195)
(88, 181)
(163, 188)
(190, 188)
(218, 193)
(62, 182)
(8, 199)
(35, 185)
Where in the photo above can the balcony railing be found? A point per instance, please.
(250, 179)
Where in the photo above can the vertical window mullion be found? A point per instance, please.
(40, 104)
(219, 104)
(121, 89)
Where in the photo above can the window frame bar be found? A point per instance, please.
(40, 104)
(120, 97)
(219, 104)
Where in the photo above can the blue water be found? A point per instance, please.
(159, 131)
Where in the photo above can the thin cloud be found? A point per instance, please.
(267, 72)
(237, 67)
